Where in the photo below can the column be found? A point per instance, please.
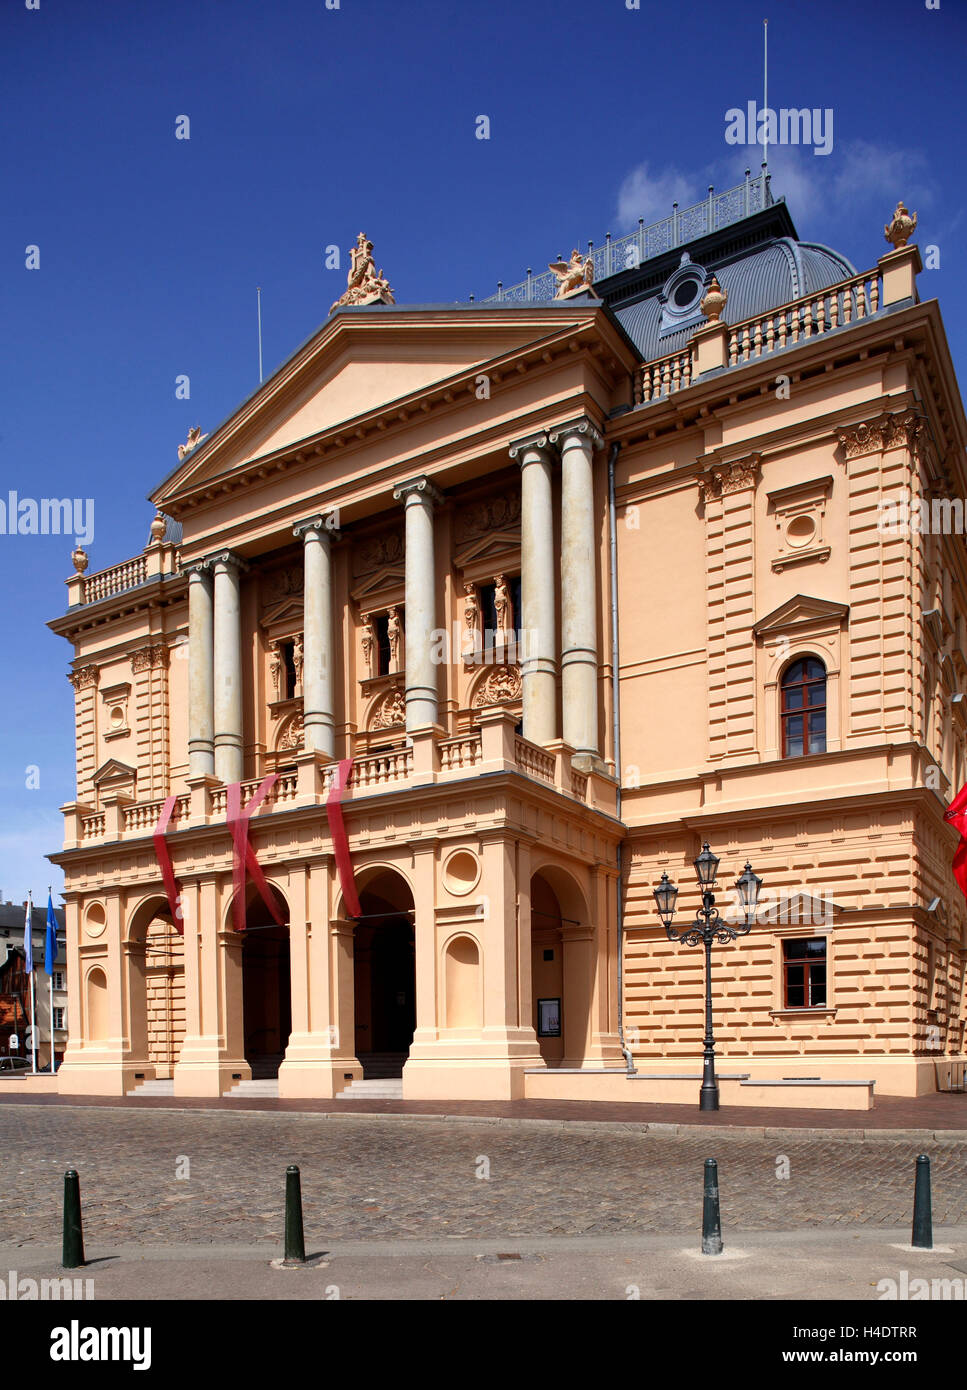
(227, 668)
(418, 498)
(537, 589)
(201, 729)
(317, 673)
(579, 627)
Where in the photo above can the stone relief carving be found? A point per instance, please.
(501, 684)
(887, 432)
(723, 478)
(280, 584)
(491, 514)
(145, 658)
(389, 711)
(84, 676)
(378, 551)
(292, 733)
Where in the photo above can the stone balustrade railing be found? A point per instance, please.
(372, 773)
(381, 769)
(456, 753)
(534, 760)
(116, 580)
(788, 326)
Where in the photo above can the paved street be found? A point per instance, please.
(381, 1178)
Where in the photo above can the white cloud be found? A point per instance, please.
(650, 195)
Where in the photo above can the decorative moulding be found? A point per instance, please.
(800, 513)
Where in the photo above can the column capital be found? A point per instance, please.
(420, 488)
(325, 523)
(197, 569)
(226, 557)
(531, 443)
(583, 427)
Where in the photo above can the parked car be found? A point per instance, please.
(12, 1064)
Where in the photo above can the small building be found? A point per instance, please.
(15, 1015)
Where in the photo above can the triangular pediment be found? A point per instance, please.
(356, 364)
(114, 774)
(802, 611)
(387, 577)
(494, 545)
(289, 611)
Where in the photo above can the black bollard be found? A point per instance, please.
(711, 1218)
(73, 1249)
(922, 1237)
(295, 1241)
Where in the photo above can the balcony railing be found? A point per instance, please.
(627, 252)
(116, 580)
(448, 760)
(787, 326)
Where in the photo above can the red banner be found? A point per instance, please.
(340, 840)
(172, 887)
(956, 814)
(243, 853)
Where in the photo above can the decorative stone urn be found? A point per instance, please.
(900, 230)
(79, 559)
(158, 529)
(714, 301)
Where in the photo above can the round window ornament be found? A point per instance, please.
(461, 872)
(95, 920)
(800, 531)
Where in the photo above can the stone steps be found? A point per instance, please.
(373, 1088)
(248, 1090)
(153, 1088)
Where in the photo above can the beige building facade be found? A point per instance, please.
(577, 581)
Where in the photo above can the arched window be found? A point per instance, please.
(804, 708)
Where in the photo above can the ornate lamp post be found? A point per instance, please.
(708, 926)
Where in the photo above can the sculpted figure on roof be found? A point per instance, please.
(365, 285)
(573, 275)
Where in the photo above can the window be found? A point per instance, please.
(58, 1018)
(381, 624)
(58, 979)
(287, 657)
(804, 708)
(804, 973)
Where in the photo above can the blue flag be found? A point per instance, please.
(28, 938)
(50, 953)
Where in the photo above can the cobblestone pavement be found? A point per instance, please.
(391, 1178)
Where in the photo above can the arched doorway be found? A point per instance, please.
(157, 1010)
(266, 986)
(561, 965)
(384, 971)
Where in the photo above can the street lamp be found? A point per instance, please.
(708, 926)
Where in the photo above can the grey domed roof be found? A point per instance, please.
(762, 278)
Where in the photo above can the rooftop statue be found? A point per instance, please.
(364, 285)
(573, 275)
(901, 229)
(195, 437)
(714, 301)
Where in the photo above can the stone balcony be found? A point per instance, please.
(429, 760)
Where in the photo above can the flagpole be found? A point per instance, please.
(33, 988)
(50, 983)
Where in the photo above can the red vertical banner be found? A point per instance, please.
(243, 854)
(956, 814)
(340, 840)
(172, 887)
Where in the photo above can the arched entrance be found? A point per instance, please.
(384, 971)
(266, 986)
(561, 967)
(156, 953)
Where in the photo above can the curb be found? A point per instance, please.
(657, 1130)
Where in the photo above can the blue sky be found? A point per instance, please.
(309, 124)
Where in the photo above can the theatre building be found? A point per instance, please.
(477, 618)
